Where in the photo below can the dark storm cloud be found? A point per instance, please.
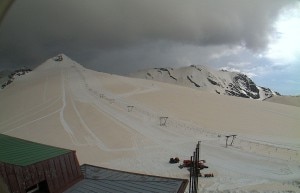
(36, 29)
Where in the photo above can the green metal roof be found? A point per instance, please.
(21, 152)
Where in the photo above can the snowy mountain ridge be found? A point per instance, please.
(208, 79)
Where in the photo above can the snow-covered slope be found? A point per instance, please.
(114, 121)
(208, 79)
(286, 100)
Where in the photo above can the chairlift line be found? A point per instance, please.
(163, 121)
(227, 137)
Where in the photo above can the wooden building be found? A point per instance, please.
(26, 166)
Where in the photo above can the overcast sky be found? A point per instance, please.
(257, 37)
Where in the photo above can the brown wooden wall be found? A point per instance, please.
(60, 172)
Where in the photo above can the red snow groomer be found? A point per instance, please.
(188, 163)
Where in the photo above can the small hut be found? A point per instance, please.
(26, 166)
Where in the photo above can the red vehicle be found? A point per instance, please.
(188, 163)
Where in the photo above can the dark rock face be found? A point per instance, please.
(166, 70)
(189, 78)
(243, 86)
(58, 58)
(234, 91)
(214, 80)
(231, 93)
(148, 74)
(220, 82)
(12, 76)
(269, 93)
(197, 68)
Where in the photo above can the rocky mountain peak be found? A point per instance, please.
(209, 79)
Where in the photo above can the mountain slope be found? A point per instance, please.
(63, 104)
(286, 100)
(208, 79)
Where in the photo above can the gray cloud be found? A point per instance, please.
(128, 29)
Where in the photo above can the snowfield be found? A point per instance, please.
(114, 121)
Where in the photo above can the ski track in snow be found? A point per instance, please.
(33, 121)
(29, 112)
(64, 123)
